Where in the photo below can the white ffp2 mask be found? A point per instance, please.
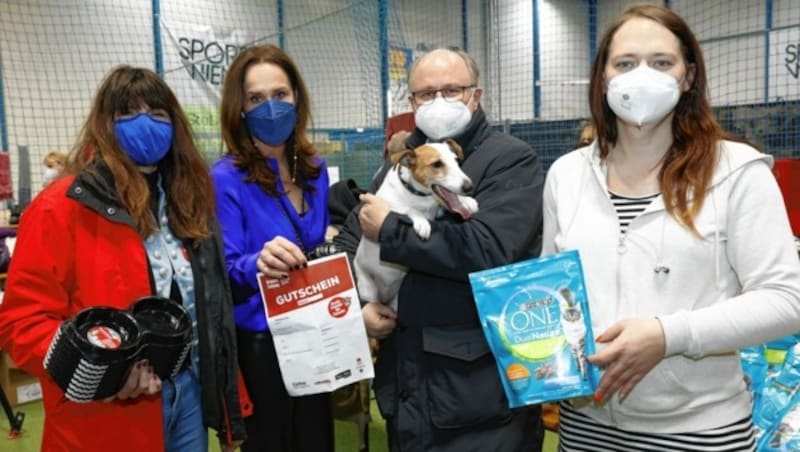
(49, 174)
(442, 119)
(643, 95)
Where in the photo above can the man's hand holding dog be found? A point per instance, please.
(379, 319)
(373, 212)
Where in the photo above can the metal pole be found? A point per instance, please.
(464, 26)
(537, 76)
(3, 127)
(767, 31)
(281, 31)
(158, 51)
(383, 42)
(592, 4)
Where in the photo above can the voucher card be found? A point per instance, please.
(315, 319)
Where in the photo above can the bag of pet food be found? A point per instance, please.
(754, 366)
(784, 435)
(535, 315)
(777, 394)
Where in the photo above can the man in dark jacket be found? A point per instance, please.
(436, 381)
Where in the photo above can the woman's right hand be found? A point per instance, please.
(141, 380)
(633, 348)
(278, 256)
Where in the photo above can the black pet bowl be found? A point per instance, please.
(166, 334)
(91, 354)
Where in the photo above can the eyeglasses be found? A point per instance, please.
(449, 93)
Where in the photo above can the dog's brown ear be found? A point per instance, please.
(405, 158)
(455, 148)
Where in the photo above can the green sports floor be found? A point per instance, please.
(346, 433)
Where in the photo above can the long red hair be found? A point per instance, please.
(236, 136)
(190, 196)
(688, 165)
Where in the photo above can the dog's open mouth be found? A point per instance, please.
(450, 201)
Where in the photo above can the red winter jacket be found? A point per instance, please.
(71, 254)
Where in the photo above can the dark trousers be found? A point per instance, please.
(522, 433)
(280, 423)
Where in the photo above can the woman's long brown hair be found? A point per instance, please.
(238, 141)
(190, 197)
(688, 165)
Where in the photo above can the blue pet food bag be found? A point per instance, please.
(535, 315)
(784, 435)
(754, 366)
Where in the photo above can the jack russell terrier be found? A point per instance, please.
(421, 182)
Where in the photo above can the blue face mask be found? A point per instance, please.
(145, 139)
(272, 121)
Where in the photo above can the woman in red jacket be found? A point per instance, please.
(134, 217)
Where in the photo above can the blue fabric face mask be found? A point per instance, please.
(145, 139)
(272, 121)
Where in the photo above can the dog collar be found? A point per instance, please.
(411, 188)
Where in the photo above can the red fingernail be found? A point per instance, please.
(598, 397)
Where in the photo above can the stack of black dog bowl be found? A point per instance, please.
(92, 354)
(166, 334)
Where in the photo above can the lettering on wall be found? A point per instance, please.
(206, 128)
(792, 59)
(207, 61)
(197, 57)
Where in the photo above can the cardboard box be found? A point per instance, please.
(19, 386)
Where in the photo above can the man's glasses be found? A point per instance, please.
(449, 93)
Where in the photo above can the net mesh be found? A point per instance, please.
(534, 58)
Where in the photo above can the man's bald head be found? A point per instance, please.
(442, 57)
(444, 69)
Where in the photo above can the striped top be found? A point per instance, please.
(578, 432)
(629, 208)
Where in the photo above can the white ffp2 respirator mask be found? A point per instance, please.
(442, 119)
(49, 174)
(643, 95)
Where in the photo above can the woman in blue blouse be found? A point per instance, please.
(271, 194)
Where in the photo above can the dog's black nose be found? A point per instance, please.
(467, 186)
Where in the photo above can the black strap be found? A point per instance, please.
(298, 240)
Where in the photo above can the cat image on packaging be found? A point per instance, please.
(535, 317)
(575, 331)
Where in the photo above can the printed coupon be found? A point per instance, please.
(315, 319)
